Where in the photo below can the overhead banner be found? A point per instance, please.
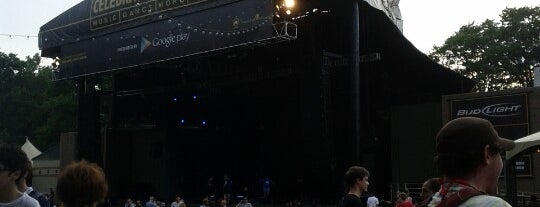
(207, 30)
(92, 18)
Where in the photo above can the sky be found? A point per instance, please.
(425, 22)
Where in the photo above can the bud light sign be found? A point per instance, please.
(500, 110)
(495, 110)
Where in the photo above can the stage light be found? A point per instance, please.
(203, 122)
(288, 12)
(289, 3)
(56, 63)
(175, 99)
(194, 97)
(182, 121)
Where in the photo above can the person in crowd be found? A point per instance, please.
(211, 187)
(469, 160)
(221, 202)
(227, 187)
(244, 203)
(52, 197)
(13, 168)
(205, 202)
(266, 184)
(372, 200)
(405, 202)
(23, 186)
(81, 184)
(356, 181)
(138, 203)
(151, 202)
(178, 201)
(129, 203)
(428, 190)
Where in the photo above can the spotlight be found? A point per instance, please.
(203, 122)
(289, 3)
(56, 62)
(288, 12)
(175, 99)
(194, 97)
(182, 121)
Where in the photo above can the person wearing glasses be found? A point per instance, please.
(13, 166)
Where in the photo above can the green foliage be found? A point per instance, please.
(497, 55)
(31, 104)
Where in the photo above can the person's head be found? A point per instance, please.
(205, 201)
(403, 196)
(13, 165)
(357, 177)
(429, 188)
(177, 198)
(152, 198)
(81, 184)
(245, 200)
(222, 202)
(129, 201)
(470, 146)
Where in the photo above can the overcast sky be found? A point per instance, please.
(425, 22)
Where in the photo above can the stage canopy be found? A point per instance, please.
(98, 36)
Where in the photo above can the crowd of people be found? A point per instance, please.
(468, 158)
(80, 184)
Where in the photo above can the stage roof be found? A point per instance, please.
(92, 37)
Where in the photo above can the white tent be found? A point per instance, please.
(30, 150)
(523, 144)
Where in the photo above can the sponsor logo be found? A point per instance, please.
(170, 40)
(495, 110)
(332, 60)
(144, 44)
(126, 48)
(167, 41)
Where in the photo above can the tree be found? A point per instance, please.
(497, 55)
(31, 104)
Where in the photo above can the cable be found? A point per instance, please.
(18, 35)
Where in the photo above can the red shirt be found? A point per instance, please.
(406, 203)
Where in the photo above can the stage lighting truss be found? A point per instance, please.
(283, 31)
